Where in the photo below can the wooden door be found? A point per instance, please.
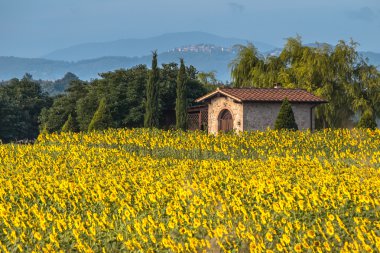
(225, 121)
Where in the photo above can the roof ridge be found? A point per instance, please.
(259, 88)
(266, 94)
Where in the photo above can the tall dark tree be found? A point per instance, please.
(151, 117)
(285, 118)
(181, 99)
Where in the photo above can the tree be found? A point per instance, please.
(102, 118)
(367, 120)
(248, 58)
(70, 125)
(22, 102)
(285, 118)
(55, 117)
(151, 117)
(11, 123)
(58, 86)
(365, 91)
(181, 98)
(207, 77)
(335, 73)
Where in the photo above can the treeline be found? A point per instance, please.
(116, 99)
(53, 88)
(159, 96)
(336, 73)
(21, 102)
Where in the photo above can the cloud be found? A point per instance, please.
(236, 7)
(363, 14)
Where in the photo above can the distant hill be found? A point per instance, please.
(205, 57)
(373, 58)
(214, 60)
(141, 47)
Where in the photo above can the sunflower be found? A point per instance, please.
(298, 247)
(269, 236)
(310, 233)
(330, 230)
(37, 235)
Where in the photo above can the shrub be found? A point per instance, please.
(70, 125)
(285, 118)
(102, 118)
(367, 121)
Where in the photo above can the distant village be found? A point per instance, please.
(203, 48)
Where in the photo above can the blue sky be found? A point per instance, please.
(31, 28)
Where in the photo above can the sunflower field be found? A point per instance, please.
(145, 190)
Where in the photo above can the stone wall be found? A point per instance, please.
(255, 116)
(219, 104)
(260, 116)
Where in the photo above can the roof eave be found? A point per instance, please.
(203, 98)
(210, 95)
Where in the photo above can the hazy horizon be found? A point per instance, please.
(38, 27)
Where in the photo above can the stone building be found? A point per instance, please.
(244, 109)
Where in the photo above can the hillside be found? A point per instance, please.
(10, 67)
(142, 47)
(373, 58)
(212, 58)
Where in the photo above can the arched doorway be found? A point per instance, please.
(225, 121)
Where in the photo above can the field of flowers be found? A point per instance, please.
(167, 191)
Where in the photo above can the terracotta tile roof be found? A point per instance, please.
(265, 95)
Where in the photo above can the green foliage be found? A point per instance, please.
(21, 102)
(44, 130)
(124, 90)
(102, 118)
(285, 118)
(11, 122)
(151, 118)
(168, 91)
(70, 125)
(58, 86)
(181, 103)
(367, 120)
(248, 59)
(207, 77)
(337, 74)
(55, 117)
(25, 108)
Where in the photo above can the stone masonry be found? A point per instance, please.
(256, 116)
(219, 104)
(260, 116)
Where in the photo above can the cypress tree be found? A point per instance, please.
(102, 118)
(44, 130)
(70, 125)
(151, 117)
(180, 103)
(285, 118)
(367, 120)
